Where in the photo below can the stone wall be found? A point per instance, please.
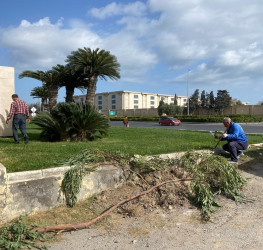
(22, 193)
(242, 109)
(246, 110)
(7, 88)
(25, 192)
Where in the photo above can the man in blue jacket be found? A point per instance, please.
(236, 139)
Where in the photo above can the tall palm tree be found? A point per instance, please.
(50, 79)
(94, 64)
(41, 92)
(70, 80)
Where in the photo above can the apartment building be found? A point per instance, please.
(131, 100)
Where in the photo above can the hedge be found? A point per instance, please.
(196, 118)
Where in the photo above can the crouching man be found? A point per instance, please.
(236, 139)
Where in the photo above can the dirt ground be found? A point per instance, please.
(165, 219)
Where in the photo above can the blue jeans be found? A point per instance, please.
(234, 147)
(19, 121)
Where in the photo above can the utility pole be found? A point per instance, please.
(187, 91)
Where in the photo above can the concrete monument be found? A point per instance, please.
(7, 88)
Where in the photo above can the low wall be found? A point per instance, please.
(238, 109)
(25, 192)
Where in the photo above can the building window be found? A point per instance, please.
(100, 97)
(99, 102)
(135, 96)
(172, 99)
(113, 96)
(136, 101)
(99, 107)
(152, 107)
(82, 99)
(163, 98)
(184, 100)
(136, 106)
(152, 102)
(113, 106)
(152, 97)
(113, 101)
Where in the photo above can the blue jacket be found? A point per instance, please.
(235, 133)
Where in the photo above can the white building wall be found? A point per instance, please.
(131, 100)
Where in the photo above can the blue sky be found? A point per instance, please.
(155, 41)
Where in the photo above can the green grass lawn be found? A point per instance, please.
(144, 141)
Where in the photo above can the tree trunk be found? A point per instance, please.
(45, 104)
(91, 91)
(69, 93)
(71, 227)
(53, 95)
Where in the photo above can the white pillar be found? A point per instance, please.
(7, 88)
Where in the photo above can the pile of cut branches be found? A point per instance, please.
(212, 175)
(18, 235)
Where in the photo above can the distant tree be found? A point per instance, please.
(260, 103)
(207, 96)
(239, 102)
(203, 99)
(170, 109)
(211, 100)
(42, 93)
(194, 101)
(175, 99)
(161, 108)
(176, 110)
(222, 100)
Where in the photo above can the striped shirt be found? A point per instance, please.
(18, 107)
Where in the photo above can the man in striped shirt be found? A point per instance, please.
(20, 114)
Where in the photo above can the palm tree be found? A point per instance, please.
(70, 80)
(41, 92)
(50, 79)
(93, 64)
(72, 121)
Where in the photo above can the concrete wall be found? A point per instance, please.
(25, 192)
(246, 109)
(7, 88)
(239, 109)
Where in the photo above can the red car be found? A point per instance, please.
(170, 121)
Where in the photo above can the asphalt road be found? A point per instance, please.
(251, 128)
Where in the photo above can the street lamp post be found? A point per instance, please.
(187, 92)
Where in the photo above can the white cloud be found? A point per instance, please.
(114, 9)
(134, 59)
(41, 45)
(220, 40)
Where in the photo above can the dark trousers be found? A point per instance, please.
(19, 121)
(234, 147)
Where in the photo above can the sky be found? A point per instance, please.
(163, 46)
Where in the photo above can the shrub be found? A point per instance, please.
(72, 121)
(196, 118)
